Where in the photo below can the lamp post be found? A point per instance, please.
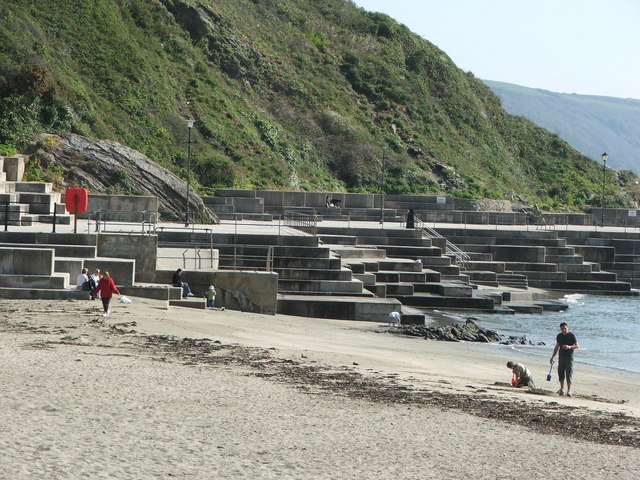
(384, 166)
(604, 157)
(187, 213)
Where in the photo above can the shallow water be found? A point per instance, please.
(607, 329)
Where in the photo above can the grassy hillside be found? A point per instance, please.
(286, 94)
(592, 124)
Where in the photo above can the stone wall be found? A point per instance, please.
(482, 205)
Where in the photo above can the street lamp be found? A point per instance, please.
(189, 127)
(604, 157)
(384, 166)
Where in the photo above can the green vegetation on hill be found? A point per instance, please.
(592, 124)
(286, 94)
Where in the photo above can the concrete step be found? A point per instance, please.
(33, 187)
(530, 267)
(560, 251)
(57, 281)
(575, 268)
(152, 291)
(513, 280)
(191, 302)
(394, 241)
(399, 265)
(412, 252)
(609, 288)
(28, 220)
(545, 276)
(444, 289)
(43, 294)
(346, 308)
(593, 276)
(393, 289)
(453, 303)
(337, 239)
(358, 252)
(571, 259)
(366, 278)
(397, 277)
(478, 276)
(443, 261)
(80, 251)
(497, 267)
(313, 274)
(332, 286)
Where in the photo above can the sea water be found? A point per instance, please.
(607, 329)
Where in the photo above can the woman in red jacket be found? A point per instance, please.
(107, 287)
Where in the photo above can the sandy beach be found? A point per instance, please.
(151, 392)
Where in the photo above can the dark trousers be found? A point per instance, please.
(105, 303)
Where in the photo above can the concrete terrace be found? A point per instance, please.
(350, 269)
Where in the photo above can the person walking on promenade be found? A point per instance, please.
(107, 287)
(566, 343)
(521, 374)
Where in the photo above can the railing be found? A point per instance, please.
(307, 222)
(18, 213)
(147, 219)
(461, 257)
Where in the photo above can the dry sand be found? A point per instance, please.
(258, 396)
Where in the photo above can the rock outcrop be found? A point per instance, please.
(468, 332)
(104, 166)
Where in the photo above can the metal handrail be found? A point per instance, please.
(301, 221)
(461, 257)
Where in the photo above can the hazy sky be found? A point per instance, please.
(590, 47)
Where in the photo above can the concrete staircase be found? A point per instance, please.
(541, 258)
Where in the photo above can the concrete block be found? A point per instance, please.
(33, 187)
(293, 199)
(246, 291)
(26, 261)
(59, 281)
(69, 266)
(13, 167)
(248, 205)
(121, 270)
(231, 192)
(518, 253)
(122, 208)
(43, 294)
(138, 247)
(154, 292)
(358, 200)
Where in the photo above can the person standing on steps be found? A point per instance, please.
(566, 343)
(107, 287)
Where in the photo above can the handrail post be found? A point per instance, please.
(54, 217)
